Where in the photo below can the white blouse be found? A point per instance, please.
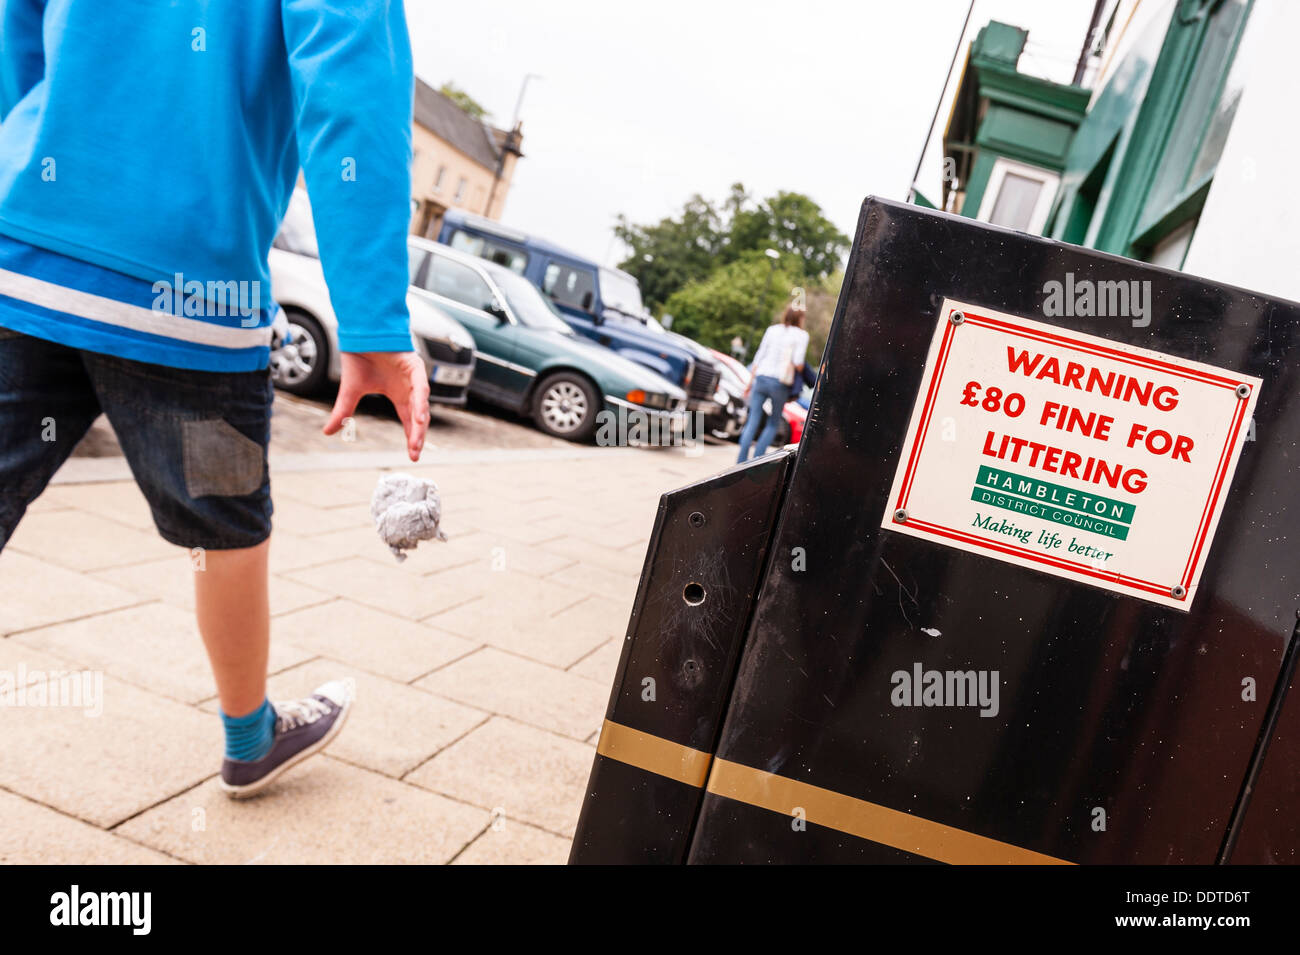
(782, 345)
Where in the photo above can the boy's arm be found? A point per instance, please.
(350, 62)
(22, 50)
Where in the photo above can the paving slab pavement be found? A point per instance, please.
(483, 665)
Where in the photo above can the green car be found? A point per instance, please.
(530, 361)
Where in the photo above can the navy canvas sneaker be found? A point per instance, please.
(302, 728)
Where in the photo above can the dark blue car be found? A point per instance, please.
(600, 303)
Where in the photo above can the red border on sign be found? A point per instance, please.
(1089, 348)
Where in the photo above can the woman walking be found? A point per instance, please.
(779, 360)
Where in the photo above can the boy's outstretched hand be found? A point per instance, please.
(400, 377)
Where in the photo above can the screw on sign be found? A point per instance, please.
(1101, 462)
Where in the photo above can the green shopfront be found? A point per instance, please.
(1127, 166)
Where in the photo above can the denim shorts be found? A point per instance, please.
(196, 441)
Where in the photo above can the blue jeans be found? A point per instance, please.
(196, 441)
(764, 388)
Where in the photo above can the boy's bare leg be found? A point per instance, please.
(262, 741)
(230, 599)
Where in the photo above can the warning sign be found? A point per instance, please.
(1095, 461)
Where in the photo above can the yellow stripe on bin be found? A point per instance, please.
(866, 820)
(654, 754)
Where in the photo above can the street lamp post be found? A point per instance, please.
(511, 142)
(774, 256)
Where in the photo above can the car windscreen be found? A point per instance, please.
(456, 281)
(298, 231)
(621, 292)
(528, 304)
(516, 260)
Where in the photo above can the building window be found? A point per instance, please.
(1018, 196)
(1016, 200)
(437, 182)
(1171, 251)
(460, 189)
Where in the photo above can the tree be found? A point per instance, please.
(673, 251)
(792, 223)
(676, 251)
(462, 99)
(715, 309)
(821, 299)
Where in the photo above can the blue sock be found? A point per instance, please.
(249, 737)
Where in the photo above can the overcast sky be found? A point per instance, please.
(639, 106)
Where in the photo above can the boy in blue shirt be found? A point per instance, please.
(147, 154)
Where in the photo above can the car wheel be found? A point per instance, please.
(302, 361)
(566, 406)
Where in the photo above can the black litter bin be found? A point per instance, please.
(1025, 593)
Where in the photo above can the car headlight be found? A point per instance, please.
(651, 399)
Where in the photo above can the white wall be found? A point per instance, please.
(1249, 232)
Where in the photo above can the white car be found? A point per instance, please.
(305, 349)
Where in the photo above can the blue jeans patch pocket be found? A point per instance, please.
(220, 460)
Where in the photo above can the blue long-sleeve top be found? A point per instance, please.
(148, 151)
